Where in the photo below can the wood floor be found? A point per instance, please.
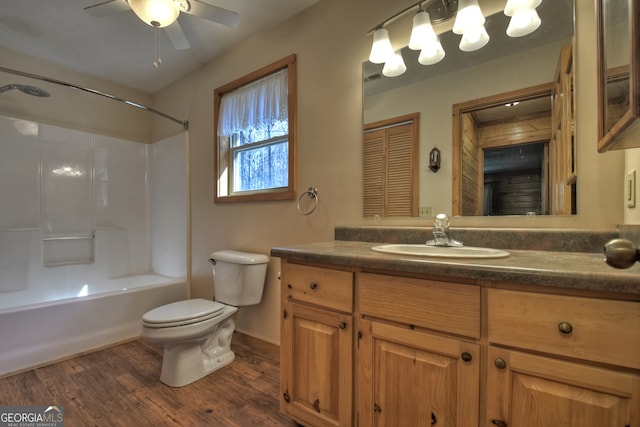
(120, 386)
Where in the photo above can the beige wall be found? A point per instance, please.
(331, 43)
(632, 163)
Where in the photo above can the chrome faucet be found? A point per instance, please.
(440, 230)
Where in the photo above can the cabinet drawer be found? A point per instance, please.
(585, 328)
(320, 286)
(442, 306)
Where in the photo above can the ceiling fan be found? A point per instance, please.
(164, 14)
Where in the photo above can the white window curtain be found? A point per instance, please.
(260, 103)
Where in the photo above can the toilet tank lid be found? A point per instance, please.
(238, 257)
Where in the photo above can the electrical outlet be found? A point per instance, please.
(631, 189)
(426, 212)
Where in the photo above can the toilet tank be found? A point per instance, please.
(238, 277)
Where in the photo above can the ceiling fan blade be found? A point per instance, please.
(213, 13)
(106, 8)
(176, 36)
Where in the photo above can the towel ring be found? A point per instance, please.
(312, 193)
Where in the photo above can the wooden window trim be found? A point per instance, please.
(288, 193)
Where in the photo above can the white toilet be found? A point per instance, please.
(196, 334)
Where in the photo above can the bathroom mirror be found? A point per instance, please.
(504, 65)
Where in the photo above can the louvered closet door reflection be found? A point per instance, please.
(399, 171)
(373, 173)
(389, 170)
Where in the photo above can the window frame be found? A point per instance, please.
(282, 193)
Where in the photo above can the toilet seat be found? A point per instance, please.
(182, 313)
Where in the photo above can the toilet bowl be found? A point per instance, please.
(196, 334)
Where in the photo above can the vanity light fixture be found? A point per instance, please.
(469, 23)
(524, 18)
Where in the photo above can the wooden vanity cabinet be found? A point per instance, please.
(411, 370)
(316, 354)
(556, 360)
(381, 349)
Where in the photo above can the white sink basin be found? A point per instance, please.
(442, 251)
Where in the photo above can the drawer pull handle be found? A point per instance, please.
(500, 363)
(313, 285)
(565, 327)
(466, 356)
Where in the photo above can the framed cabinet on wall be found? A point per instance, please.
(618, 74)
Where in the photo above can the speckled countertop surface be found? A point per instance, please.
(579, 270)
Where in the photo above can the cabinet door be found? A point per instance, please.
(315, 366)
(524, 390)
(411, 378)
(618, 29)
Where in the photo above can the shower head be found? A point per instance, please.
(29, 90)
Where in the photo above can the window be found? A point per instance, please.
(390, 167)
(255, 135)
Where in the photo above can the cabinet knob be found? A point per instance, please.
(500, 364)
(342, 325)
(466, 356)
(313, 285)
(286, 397)
(565, 327)
(499, 423)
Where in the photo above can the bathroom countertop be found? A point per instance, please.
(576, 270)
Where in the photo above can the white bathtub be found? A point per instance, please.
(35, 332)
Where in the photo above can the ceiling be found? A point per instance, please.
(120, 48)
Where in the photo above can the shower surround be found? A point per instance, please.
(89, 225)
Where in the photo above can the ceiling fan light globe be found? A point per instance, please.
(156, 13)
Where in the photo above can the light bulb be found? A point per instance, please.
(523, 22)
(422, 31)
(395, 66)
(470, 23)
(474, 38)
(381, 50)
(514, 5)
(431, 54)
(469, 15)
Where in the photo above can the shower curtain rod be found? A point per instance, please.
(183, 123)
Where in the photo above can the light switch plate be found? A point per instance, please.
(631, 189)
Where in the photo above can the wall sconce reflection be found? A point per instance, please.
(434, 160)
